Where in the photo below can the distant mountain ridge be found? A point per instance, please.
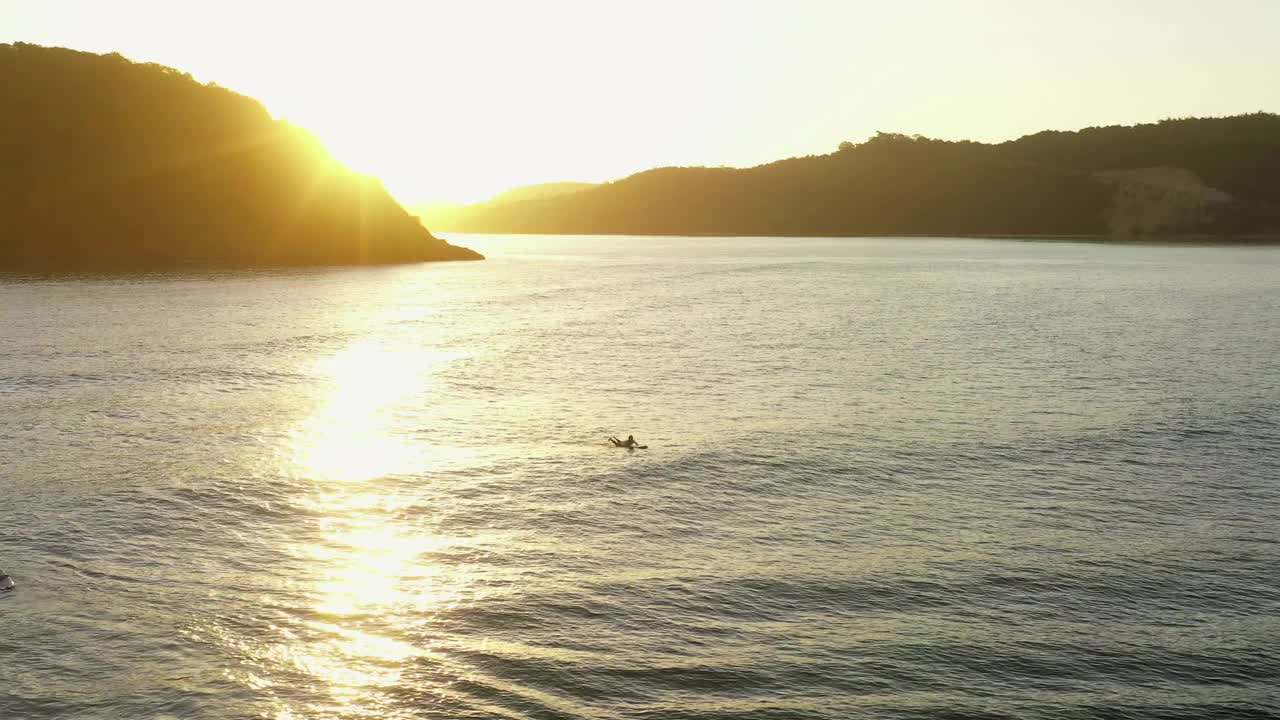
(445, 216)
(1204, 177)
(107, 163)
(539, 191)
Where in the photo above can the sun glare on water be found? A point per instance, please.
(371, 584)
(353, 436)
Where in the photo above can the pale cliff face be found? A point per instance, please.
(1160, 200)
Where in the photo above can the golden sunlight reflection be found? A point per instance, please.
(352, 437)
(374, 589)
(372, 585)
(371, 566)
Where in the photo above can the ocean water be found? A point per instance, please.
(885, 479)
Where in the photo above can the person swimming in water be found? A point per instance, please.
(630, 442)
(6, 582)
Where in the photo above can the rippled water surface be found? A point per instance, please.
(885, 479)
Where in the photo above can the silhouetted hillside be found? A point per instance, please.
(539, 191)
(1215, 176)
(109, 163)
(445, 216)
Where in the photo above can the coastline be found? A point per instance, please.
(1185, 239)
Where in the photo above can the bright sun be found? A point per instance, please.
(455, 101)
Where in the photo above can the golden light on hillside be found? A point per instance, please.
(458, 101)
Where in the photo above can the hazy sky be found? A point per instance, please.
(461, 99)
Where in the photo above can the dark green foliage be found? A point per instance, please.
(109, 163)
(1043, 184)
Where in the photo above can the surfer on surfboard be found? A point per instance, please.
(630, 442)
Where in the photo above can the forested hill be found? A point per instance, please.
(110, 163)
(1211, 176)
